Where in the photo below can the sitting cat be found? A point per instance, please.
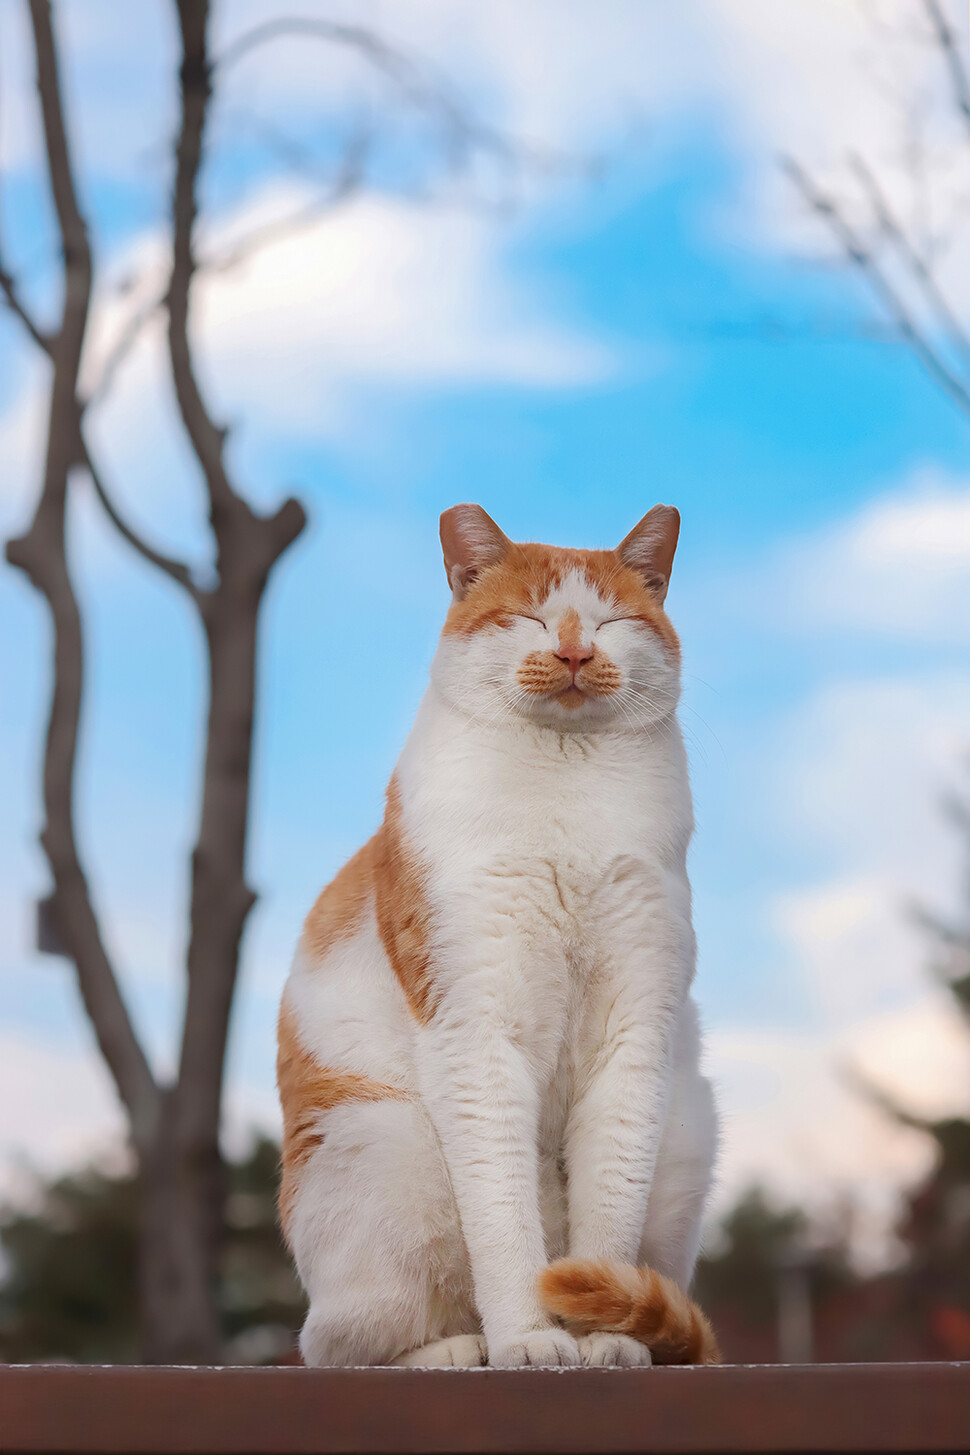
(488, 1053)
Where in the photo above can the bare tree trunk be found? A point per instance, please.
(41, 555)
(183, 1174)
(188, 1162)
(175, 1129)
(181, 1204)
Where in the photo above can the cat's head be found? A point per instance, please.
(565, 638)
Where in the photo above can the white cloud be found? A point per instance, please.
(793, 1119)
(897, 567)
(384, 292)
(57, 1107)
(301, 341)
(59, 1110)
(380, 291)
(859, 772)
(819, 77)
(857, 775)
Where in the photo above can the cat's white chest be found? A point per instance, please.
(543, 829)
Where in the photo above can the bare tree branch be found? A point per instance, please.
(11, 293)
(882, 1101)
(342, 188)
(423, 92)
(413, 82)
(920, 269)
(14, 301)
(247, 547)
(176, 569)
(959, 77)
(122, 347)
(271, 232)
(346, 183)
(861, 256)
(399, 69)
(41, 555)
(207, 438)
(228, 510)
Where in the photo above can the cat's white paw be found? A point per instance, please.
(614, 1349)
(540, 1349)
(463, 1351)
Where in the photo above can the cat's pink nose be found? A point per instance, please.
(574, 656)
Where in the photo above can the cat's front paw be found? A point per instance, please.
(540, 1349)
(614, 1349)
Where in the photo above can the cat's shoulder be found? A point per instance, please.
(341, 905)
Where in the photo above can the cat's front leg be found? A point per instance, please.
(645, 966)
(481, 1087)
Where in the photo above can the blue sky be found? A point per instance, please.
(567, 362)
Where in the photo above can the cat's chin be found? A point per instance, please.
(571, 697)
(581, 713)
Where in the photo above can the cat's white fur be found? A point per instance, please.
(555, 1103)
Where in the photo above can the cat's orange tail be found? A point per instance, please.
(620, 1299)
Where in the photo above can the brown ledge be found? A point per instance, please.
(142, 1411)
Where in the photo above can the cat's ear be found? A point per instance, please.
(649, 548)
(471, 542)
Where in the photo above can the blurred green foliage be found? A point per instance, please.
(69, 1286)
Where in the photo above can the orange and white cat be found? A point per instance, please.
(488, 1053)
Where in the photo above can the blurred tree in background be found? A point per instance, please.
(935, 1226)
(71, 1292)
(898, 218)
(918, 1310)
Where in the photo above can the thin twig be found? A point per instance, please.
(920, 269)
(207, 438)
(861, 256)
(122, 347)
(345, 185)
(176, 569)
(399, 69)
(959, 78)
(11, 293)
(41, 554)
(413, 82)
(882, 1101)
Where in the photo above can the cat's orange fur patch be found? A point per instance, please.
(306, 1089)
(524, 577)
(620, 1299)
(341, 905)
(570, 633)
(546, 675)
(403, 912)
(387, 874)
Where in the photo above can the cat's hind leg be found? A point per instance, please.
(685, 1164)
(375, 1233)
